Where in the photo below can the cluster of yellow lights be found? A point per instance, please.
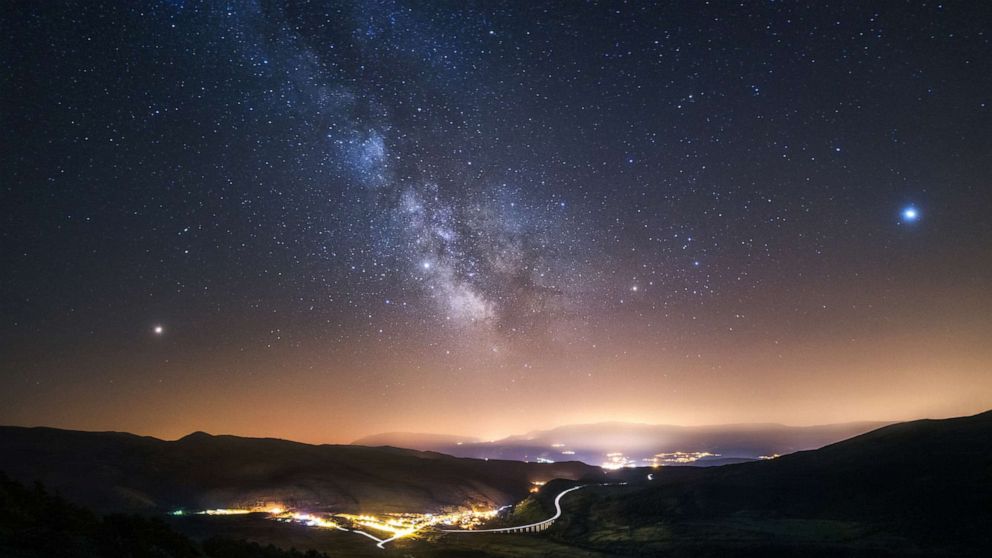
(225, 511)
(395, 525)
(406, 524)
(390, 525)
(272, 510)
(679, 457)
(617, 460)
(472, 519)
(308, 519)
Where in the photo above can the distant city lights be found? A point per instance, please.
(681, 457)
(393, 525)
(617, 460)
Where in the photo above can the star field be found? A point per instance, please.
(683, 212)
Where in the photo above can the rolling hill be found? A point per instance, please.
(921, 489)
(915, 488)
(109, 471)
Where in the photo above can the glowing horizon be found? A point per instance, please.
(322, 224)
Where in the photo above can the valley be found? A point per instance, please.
(877, 493)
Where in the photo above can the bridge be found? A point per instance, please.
(531, 528)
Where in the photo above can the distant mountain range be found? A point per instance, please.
(415, 440)
(111, 471)
(619, 443)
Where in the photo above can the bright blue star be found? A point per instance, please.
(910, 214)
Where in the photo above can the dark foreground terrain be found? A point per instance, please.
(921, 488)
(916, 488)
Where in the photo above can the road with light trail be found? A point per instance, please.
(531, 528)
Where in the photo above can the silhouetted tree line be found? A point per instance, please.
(35, 523)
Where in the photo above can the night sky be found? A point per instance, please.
(323, 220)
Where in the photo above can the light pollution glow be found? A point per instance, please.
(932, 374)
(516, 218)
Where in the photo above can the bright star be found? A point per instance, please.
(159, 330)
(910, 214)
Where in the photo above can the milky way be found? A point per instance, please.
(402, 170)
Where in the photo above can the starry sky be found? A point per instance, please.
(321, 220)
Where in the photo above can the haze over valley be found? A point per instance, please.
(616, 445)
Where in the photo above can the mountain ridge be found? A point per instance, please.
(126, 472)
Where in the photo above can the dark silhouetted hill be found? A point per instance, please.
(111, 471)
(922, 487)
(37, 524)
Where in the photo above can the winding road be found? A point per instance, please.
(531, 528)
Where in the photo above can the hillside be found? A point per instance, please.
(37, 524)
(110, 471)
(920, 487)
